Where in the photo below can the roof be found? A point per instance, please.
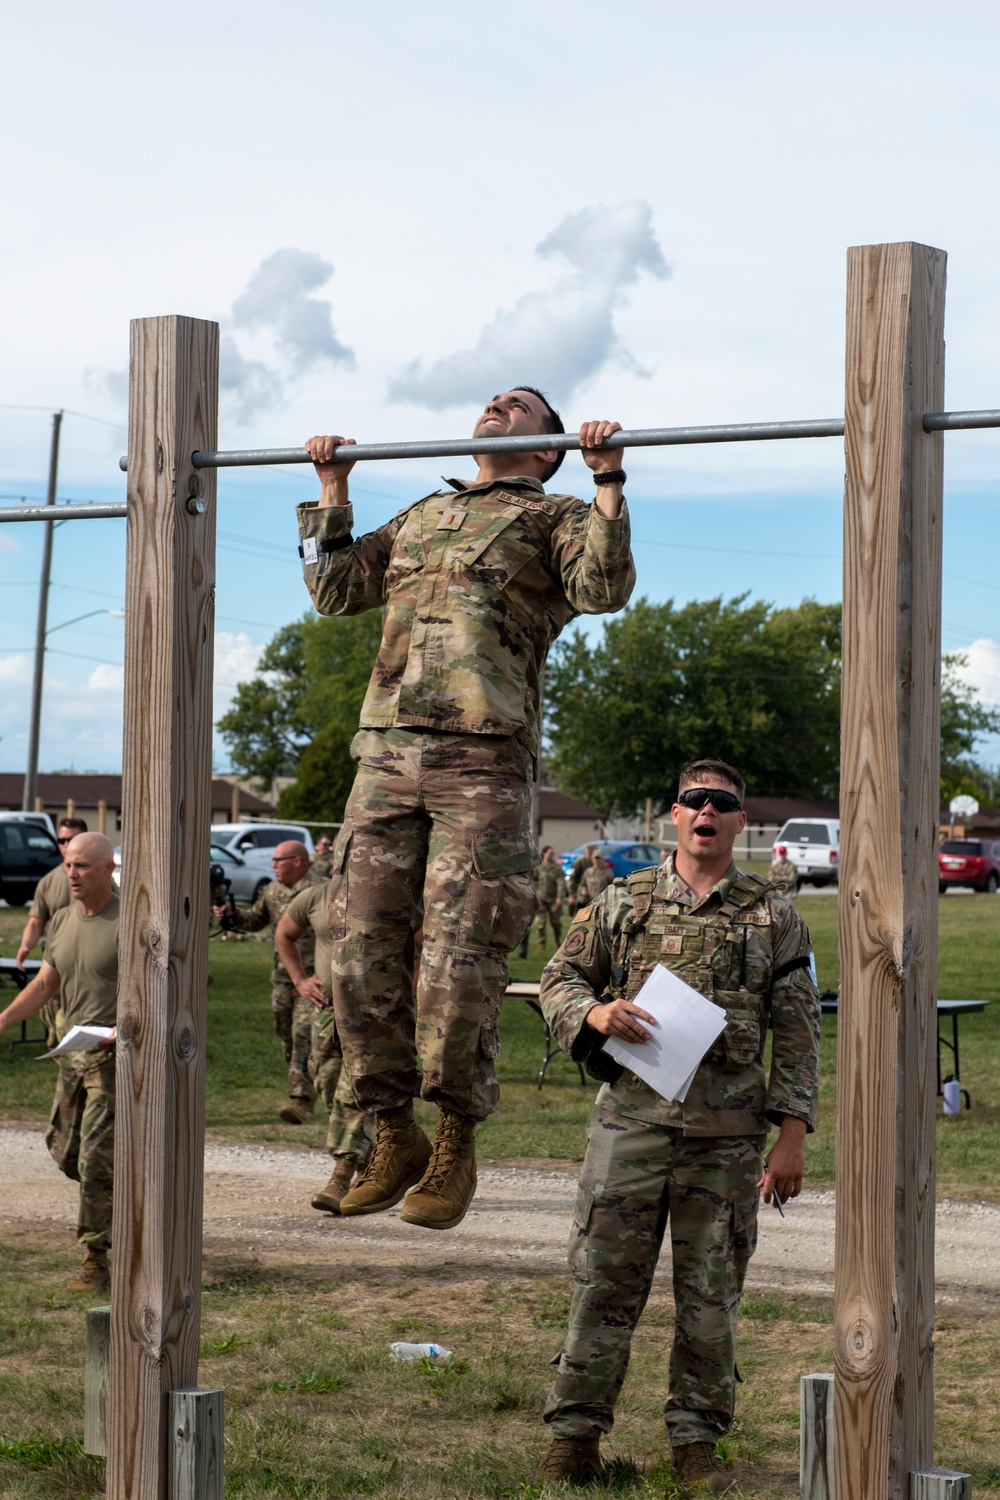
(553, 804)
(779, 809)
(58, 788)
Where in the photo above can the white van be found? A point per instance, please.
(813, 846)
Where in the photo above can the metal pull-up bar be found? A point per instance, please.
(637, 437)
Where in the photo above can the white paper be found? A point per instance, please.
(686, 1025)
(79, 1039)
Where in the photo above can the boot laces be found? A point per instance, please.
(446, 1153)
(382, 1151)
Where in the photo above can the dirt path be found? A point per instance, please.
(257, 1205)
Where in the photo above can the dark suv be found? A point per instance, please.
(969, 862)
(27, 853)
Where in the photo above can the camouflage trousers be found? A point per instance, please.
(436, 830)
(635, 1176)
(81, 1138)
(351, 1132)
(293, 1019)
(548, 914)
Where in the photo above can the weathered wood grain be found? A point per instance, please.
(196, 1445)
(95, 1381)
(884, 1299)
(159, 1128)
(816, 1437)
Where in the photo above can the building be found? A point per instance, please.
(564, 822)
(97, 800)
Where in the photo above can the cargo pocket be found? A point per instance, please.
(500, 900)
(339, 886)
(578, 1237)
(741, 1039)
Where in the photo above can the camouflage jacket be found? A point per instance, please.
(476, 586)
(321, 865)
(267, 911)
(593, 880)
(550, 883)
(743, 947)
(784, 877)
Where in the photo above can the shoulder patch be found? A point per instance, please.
(525, 503)
(575, 943)
(758, 918)
(583, 913)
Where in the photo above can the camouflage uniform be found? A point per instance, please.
(784, 877)
(698, 1162)
(593, 880)
(81, 1135)
(550, 887)
(576, 869)
(293, 1016)
(321, 866)
(475, 589)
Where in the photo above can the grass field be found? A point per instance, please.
(245, 1073)
(315, 1408)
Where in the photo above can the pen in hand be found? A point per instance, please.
(774, 1197)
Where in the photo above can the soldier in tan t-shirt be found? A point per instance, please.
(351, 1130)
(81, 968)
(51, 895)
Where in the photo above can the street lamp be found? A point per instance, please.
(31, 774)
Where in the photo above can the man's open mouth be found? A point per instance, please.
(705, 831)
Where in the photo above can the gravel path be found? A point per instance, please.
(257, 1205)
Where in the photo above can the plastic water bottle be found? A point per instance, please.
(419, 1351)
(951, 1089)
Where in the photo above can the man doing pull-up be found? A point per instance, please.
(476, 581)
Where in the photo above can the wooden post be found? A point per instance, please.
(816, 1437)
(70, 808)
(163, 962)
(884, 1297)
(940, 1484)
(234, 803)
(102, 815)
(95, 1381)
(196, 1445)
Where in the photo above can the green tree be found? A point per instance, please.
(963, 717)
(312, 675)
(323, 779)
(754, 685)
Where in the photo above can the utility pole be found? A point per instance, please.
(31, 773)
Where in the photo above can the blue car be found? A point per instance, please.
(623, 855)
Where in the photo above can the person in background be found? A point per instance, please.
(784, 876)
(596, 878)
(582, 862)
(292, 1013)
(322, 860)
(80, 969)
(51, 895)
(550, 888)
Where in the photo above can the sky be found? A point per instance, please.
(395, 211)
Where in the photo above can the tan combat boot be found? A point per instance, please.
(93, 1275)
(340, 1181)
(296, 1111)
(441, 1198)
(399, 1159)
(575, 1459)
(696, 1463)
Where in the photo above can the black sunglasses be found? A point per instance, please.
(696, 797)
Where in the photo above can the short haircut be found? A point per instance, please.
(696, 769)
(551, 422)
(76, 823)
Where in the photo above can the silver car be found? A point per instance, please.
(246, 881)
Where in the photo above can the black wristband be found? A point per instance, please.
(611, 476)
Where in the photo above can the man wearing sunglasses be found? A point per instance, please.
(700, 1163)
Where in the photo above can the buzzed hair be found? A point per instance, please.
(551, 422)
(696, 769)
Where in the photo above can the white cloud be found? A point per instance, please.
(15, 670)
(297, 329)
(982, 669)
(107, 679)
(559, 337)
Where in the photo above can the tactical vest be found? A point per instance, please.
(727, 956)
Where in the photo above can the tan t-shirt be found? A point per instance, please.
(51, 894)
(309, 909)
(84, 953)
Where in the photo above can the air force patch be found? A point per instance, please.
(575, 943)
